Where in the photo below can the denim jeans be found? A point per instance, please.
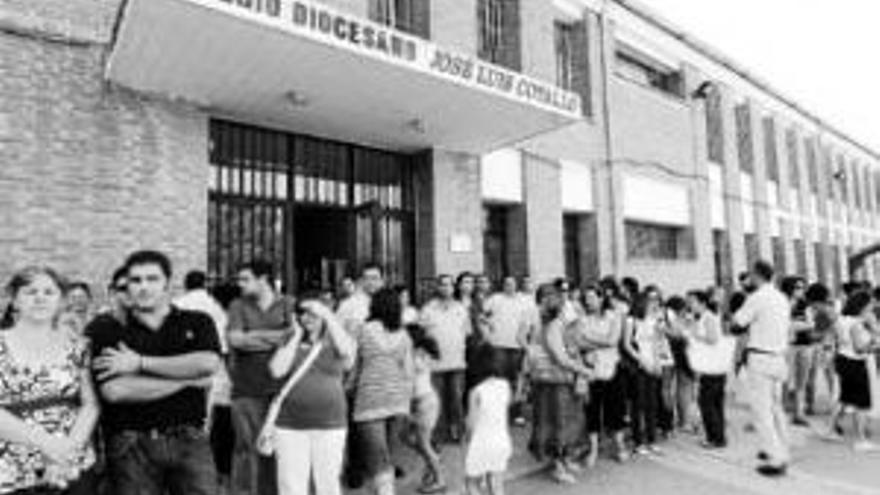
(450, 389)
(646, 407)
(173, 461)
(252, 474)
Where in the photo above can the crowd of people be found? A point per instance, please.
(262, 392)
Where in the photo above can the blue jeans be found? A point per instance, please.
(252, 473)
(173, 461)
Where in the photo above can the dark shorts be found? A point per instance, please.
(374, 444)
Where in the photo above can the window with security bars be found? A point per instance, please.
(836, 270)
(770, 153)
(572, 60)
(794, 165)
(812, 164)
(866, 184)
(714, 127)
(877, 190)
(271, 191)
(744, 145)
(409, 16)
(659, 242)
(634, 66)
(827, 172)
(498, 32)
(722, 258)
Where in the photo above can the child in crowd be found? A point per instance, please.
(425, 408)
(489, 446)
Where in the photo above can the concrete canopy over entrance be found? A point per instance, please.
(305, 67)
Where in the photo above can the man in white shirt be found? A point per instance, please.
(766, 313)
(507, 332)
(354, 310)
(219, 423)
(448, 322)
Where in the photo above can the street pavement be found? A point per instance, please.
(819, 466)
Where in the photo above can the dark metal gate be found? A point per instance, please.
(317, 209)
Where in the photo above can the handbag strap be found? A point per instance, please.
(275, 407)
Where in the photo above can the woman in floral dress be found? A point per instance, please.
(48, 407)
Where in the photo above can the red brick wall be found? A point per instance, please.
(90, 172)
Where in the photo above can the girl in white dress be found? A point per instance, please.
(488, 440)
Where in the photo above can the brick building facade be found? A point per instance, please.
(216, 131)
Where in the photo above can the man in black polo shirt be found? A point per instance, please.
(153, 371)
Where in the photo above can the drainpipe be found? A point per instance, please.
(606, 122)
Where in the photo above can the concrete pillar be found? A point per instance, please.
(543, 205)
(732, 183)
(760, 183)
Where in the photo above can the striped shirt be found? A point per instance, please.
(384, 373)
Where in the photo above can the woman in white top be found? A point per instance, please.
(600, 327)
(704, 335)
(645, 341)
(857, 338)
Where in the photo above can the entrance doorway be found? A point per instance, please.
(316, 209)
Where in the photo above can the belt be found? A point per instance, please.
(162, 431)
(754, 350)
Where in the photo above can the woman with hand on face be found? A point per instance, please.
(48, 407)
(313, 420)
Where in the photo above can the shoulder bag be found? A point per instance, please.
(266, 440)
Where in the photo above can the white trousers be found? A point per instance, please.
(766, 376)
(306, 455)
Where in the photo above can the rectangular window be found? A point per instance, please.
(841, 179)
(409, 16)
(714, 127)
(639, 68)
(812, 165)
(866, 183)
(800, 254)
(498, 32)
(753, 253)
(744, 147)
(564, 34)
(572, 60)
(857, 189)
(770, 152)
(658, 242)
(794, 166)
(877, 190)
(779, 254)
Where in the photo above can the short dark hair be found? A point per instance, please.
(702, 296)
(386, 309)
(851, 287)
(372, 265)
(817, 292)
(260, 268)
(149, 257)
(789, 284)
(120, 273)
(631, 284)
(79, 284)
(676, 303)
(764, 269)
(195, 279)
(856, 303)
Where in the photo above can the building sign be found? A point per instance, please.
(346, 31)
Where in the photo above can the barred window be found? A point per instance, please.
(498, 32)
(779, 254)
(410, 16)
(660, 242)
(821, 273)
(794, 167)
(753, 253)
(866, 183)
(800, 255)
(877, 190)
(771, 155)
(714, 127)
(745, 151)
(564, 34)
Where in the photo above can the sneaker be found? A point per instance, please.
(622, 456)
(563, 476)
(655, 449)
(641, 450)
(866, 446)
(772, 471)
(432, 488)
(800, 421)
(574, 467)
